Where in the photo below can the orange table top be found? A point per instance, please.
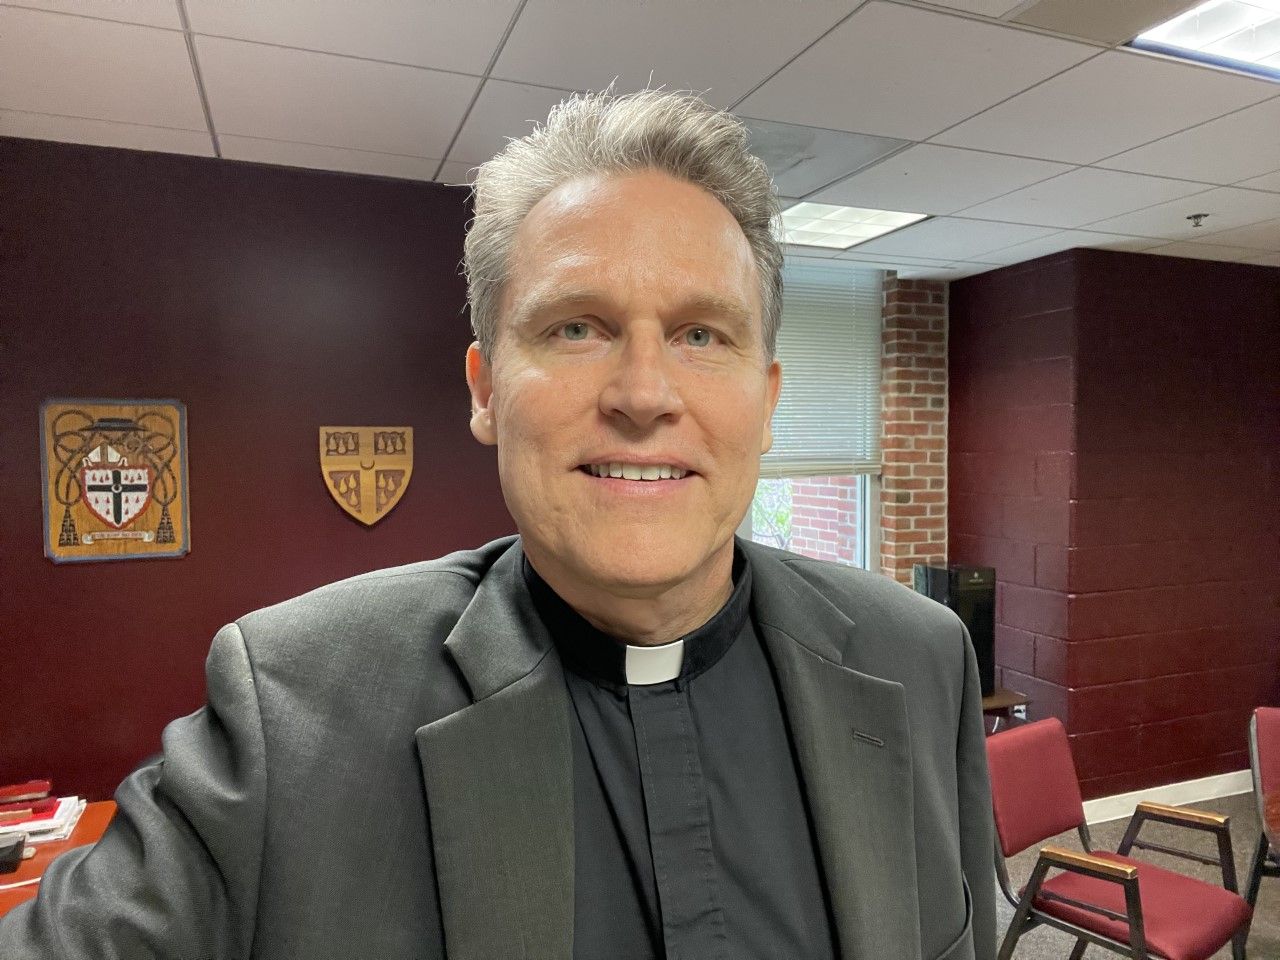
(1002, 699)
(93, 823)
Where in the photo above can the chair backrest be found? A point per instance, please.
(1034, 791)
(1264, 754)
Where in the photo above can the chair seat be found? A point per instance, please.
(1183, 918)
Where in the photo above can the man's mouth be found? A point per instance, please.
(635, 471)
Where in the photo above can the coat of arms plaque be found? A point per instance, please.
(115, 479)
(366, 469)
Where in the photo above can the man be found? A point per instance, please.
(623, 734)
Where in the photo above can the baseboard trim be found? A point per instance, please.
(1188, 791)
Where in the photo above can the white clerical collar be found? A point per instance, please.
(649, 665)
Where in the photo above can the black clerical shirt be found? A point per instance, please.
(691, 834)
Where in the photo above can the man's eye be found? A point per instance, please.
(698, 337)
(575, 331)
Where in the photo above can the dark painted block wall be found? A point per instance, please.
(1116, 456)
(270, 301)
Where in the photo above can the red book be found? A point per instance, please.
(26, 810)
(21, 792)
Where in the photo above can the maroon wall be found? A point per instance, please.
(1116, 456)
(270, 301)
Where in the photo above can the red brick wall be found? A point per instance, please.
(824, 518)
(1114, 455)
(913, 498)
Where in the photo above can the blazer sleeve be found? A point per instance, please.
(977, 826)
(176, 873)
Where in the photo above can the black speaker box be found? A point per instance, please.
(971, 593)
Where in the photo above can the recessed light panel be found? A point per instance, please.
(1241, 34)
(839, 228)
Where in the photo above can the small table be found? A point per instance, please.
(90, 828)
(1000, 705)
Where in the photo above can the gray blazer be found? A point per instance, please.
(383, 771)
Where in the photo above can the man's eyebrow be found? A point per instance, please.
(713, 303)
(538, 304)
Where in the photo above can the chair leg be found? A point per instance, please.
(1238, 942)
(1255, 871)
(1010, 940)
(1078, 950)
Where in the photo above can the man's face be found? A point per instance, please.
(630, 341)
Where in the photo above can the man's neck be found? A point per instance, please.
(645, 616)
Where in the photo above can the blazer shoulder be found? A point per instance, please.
(880, 606)
(390, 600)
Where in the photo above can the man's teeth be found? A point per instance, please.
(636, 471)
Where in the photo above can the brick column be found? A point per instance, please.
(913, 438)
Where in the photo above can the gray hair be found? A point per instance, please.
(676, 133)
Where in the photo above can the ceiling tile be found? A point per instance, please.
(502, 110)
(904, 72)
(1204, 251)
(326, 158)
(1067, 240)
(152, 13)
(1082, 196)
(1270, 181)
(986, 8)
(947, 238)
(1228, 207)
(965, 268)
(1114, 102)
(76, 67)
(723, 47)
(802, 159)
(1104, 21)
(809, 253)
(857, 256)
(429, 33)
(1267, 260)
(104, 133)
(275, 93)
(457, 173)
(936, 180)
(1259, 236)
(1235, 147)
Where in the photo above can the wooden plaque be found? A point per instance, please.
(115, 479)
(366, 469)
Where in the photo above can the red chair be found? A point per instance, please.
(1133, 908)
(1264, 756)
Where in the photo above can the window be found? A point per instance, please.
(816, 494)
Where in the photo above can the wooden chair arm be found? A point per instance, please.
(1203, 820)
(1078, 862)
(1186, 816)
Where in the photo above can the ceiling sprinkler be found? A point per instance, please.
(1197, 219)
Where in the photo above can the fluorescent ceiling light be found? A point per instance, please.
(839, 228)
(1241, 34)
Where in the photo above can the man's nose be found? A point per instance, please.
(642, 385)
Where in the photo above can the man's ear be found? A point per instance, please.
(773, 388)
(480, 383)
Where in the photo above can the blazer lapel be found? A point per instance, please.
(853, 744)
(498, 778)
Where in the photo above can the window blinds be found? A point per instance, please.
(828, 417)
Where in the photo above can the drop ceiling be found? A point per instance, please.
(1020, 128)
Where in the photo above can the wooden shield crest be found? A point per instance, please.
(366, 469)
(115, 479)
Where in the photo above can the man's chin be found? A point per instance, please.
(627, 568)
(635, 576)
